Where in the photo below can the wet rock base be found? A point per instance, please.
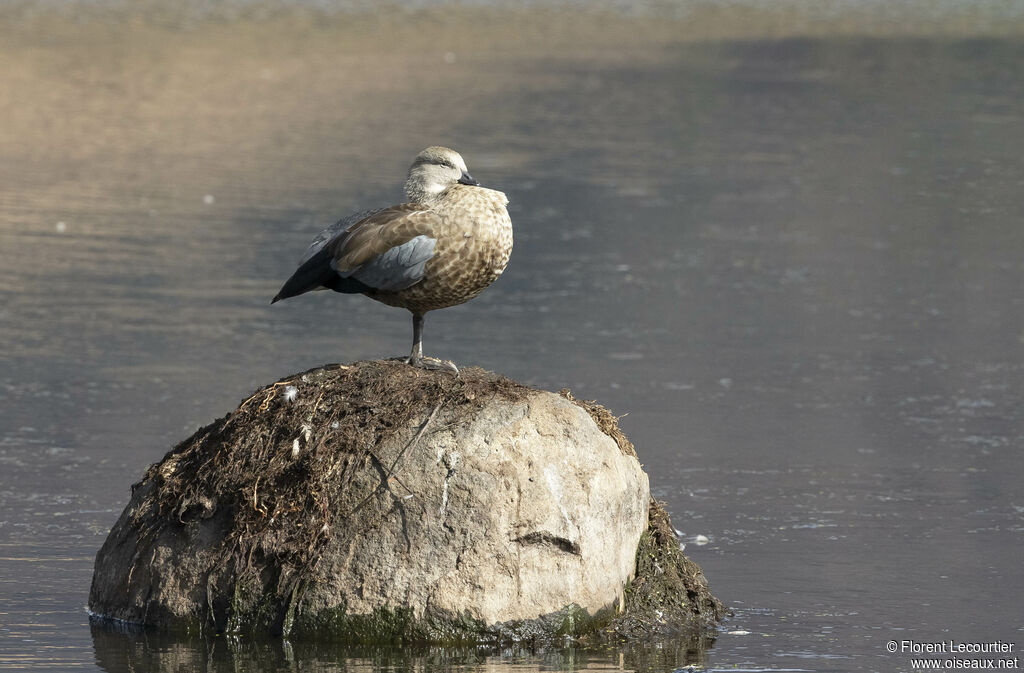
(378, 503)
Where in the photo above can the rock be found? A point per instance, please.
(377, 501)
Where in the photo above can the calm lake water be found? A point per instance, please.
(796, 265)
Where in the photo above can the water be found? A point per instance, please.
(796, 265)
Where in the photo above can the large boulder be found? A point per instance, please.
(377, 501)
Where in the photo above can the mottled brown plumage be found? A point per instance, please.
(443, 248)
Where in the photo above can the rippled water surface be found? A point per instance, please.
(796, 266)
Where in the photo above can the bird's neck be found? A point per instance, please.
(437, 199)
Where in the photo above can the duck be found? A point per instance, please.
(445, 245)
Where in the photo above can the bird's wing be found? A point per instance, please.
(333, 231)
(389, 249)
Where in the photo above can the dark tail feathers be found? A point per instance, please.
(317, 272)
(313, 273)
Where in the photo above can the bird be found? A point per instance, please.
(443, 247)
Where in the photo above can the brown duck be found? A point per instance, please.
(443, 248)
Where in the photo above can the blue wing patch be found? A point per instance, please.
(400, 267)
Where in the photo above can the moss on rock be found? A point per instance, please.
(669, 594)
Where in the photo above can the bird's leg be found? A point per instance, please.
(416, 357)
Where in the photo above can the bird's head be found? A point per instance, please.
(434, 170)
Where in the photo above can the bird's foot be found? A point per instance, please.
(432, 364)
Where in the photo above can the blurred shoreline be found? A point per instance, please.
(685, 21)
(151, 100)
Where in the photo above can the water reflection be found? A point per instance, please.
(121, 650)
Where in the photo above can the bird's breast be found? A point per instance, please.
(474, 243)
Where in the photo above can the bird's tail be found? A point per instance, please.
(313, 273)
